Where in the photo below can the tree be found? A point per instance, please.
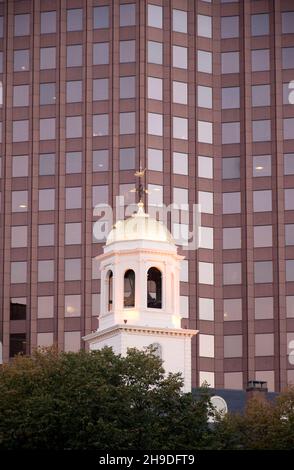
(97, 400)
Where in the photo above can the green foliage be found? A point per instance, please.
(97, 400)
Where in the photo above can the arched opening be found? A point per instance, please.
(154, 288)
(109, 290)
(129, 288)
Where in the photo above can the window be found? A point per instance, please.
(230, 62)
(288, 125)
(47, 58)
(289, 234)
(73, 127)
(99, 195)
(1, 62)
(127, 14)
(72, 341)
(155, 159)
(127, 158)
(19, 201)
(100, 17)
(261, 131)
(72, 269)
(231, 168)
(20, 165)
(45, 307)
(101, 53)
(75, 19)
(205, 167)
(233, 380)
(18, 308)
(204, 26)
(264, 344)
(288, 22)
(261, 95)
(17, 344)
(72, 305)
(127, 87)
(205, 132)
(47, 93)
(18, 272)
(290, 306)
(44, 339)
(155, 124)
(262, 165)
(233, 346)
(231, 203)
(204, 61)
(263, 308)
(262, 201)
(47, 164)
(288, 57)
(155, 88)
(155, 52)
(263, 236)
(206, 377)
(100, 89)
(21, 60)
(230, 132)
(100, 160)
(19, 236)
(180, 128)
(46, 199)
(204, 96)
(206, 309)
(231, 97)
(74, 56)
(155, 16)
(289, 199)
(127, 51)
(180, 92)
(73, 198)
(45, 271)
(289, 270)
(180, 163)
(154, 288)
(73, 162)
(21, 95)
(260, 59)
(48, 22)
(229, 27)
(205, 273)
(231, 238)
(47, 129)
(155, 195)
(206, 237)
(287, 93)
(129, 288)
(127, 123)
(260, 24)
(73, 233)
(263, 272)
(46, 235)
(22, 25)
(100, 125)
(74, 91)
(180, 23)
(20, 131)
(232, 309)
(232, 273)
(180, 57)
(206, 345)
(1, 26)
(205, 200)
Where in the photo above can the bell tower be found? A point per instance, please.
(140, 294)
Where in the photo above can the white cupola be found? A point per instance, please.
(140, 295)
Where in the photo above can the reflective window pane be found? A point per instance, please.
(74, 56)
(204, 96)
(127, 123)
(231, 203)
(127, 87)
(21, 95)
(261, 95)
(288, 22)
(46, 235)
(127, 158)
(74, 91)
(155, 159)
(260, 24)
(100, 160)
(288, 57)
(19, 201)
(231, 133)
(232, 309)
(127, 14)
(18, 272)
(180, 92)
(155, 16)
(205, 133)
(260, 60)
(22, 25)
(288, 128)
(263, 272)
(231, 168)
(20, 131)
(204, 26)
(74, 19)
(99, 195)
(47, 93)
(204, 61)
(101, 17)
(46, 199)
(73, 198)
(101, 53)
(48, 22)
(205, 201)
(180, 128)
(155, 52)
(206, 309)
(73, 162)
(72, 305)
(231, 97)
(155, 124)
(289, 164)
(180, 23)
(72, 270)
(20, 165)
(261, 131)
(262, 165)
(233, 346)
(229, 27)
(45, 271)
(21, 60)
(47, 58)
(47, 129)
(232, 273)
(231, 238)
(230, 62)
(262, 201)
(289, 199)
(180, 57)
(205, 167)
(73, 127)
(154, 88)
(127, 51)
(19, 236)
(180, 163)
(47, 164)
(263, 308)
(263, 236)
(73, 233)
(100, 125)
(100, 89)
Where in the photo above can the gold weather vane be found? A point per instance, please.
(140, 189)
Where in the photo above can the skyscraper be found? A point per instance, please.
(201, 94)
